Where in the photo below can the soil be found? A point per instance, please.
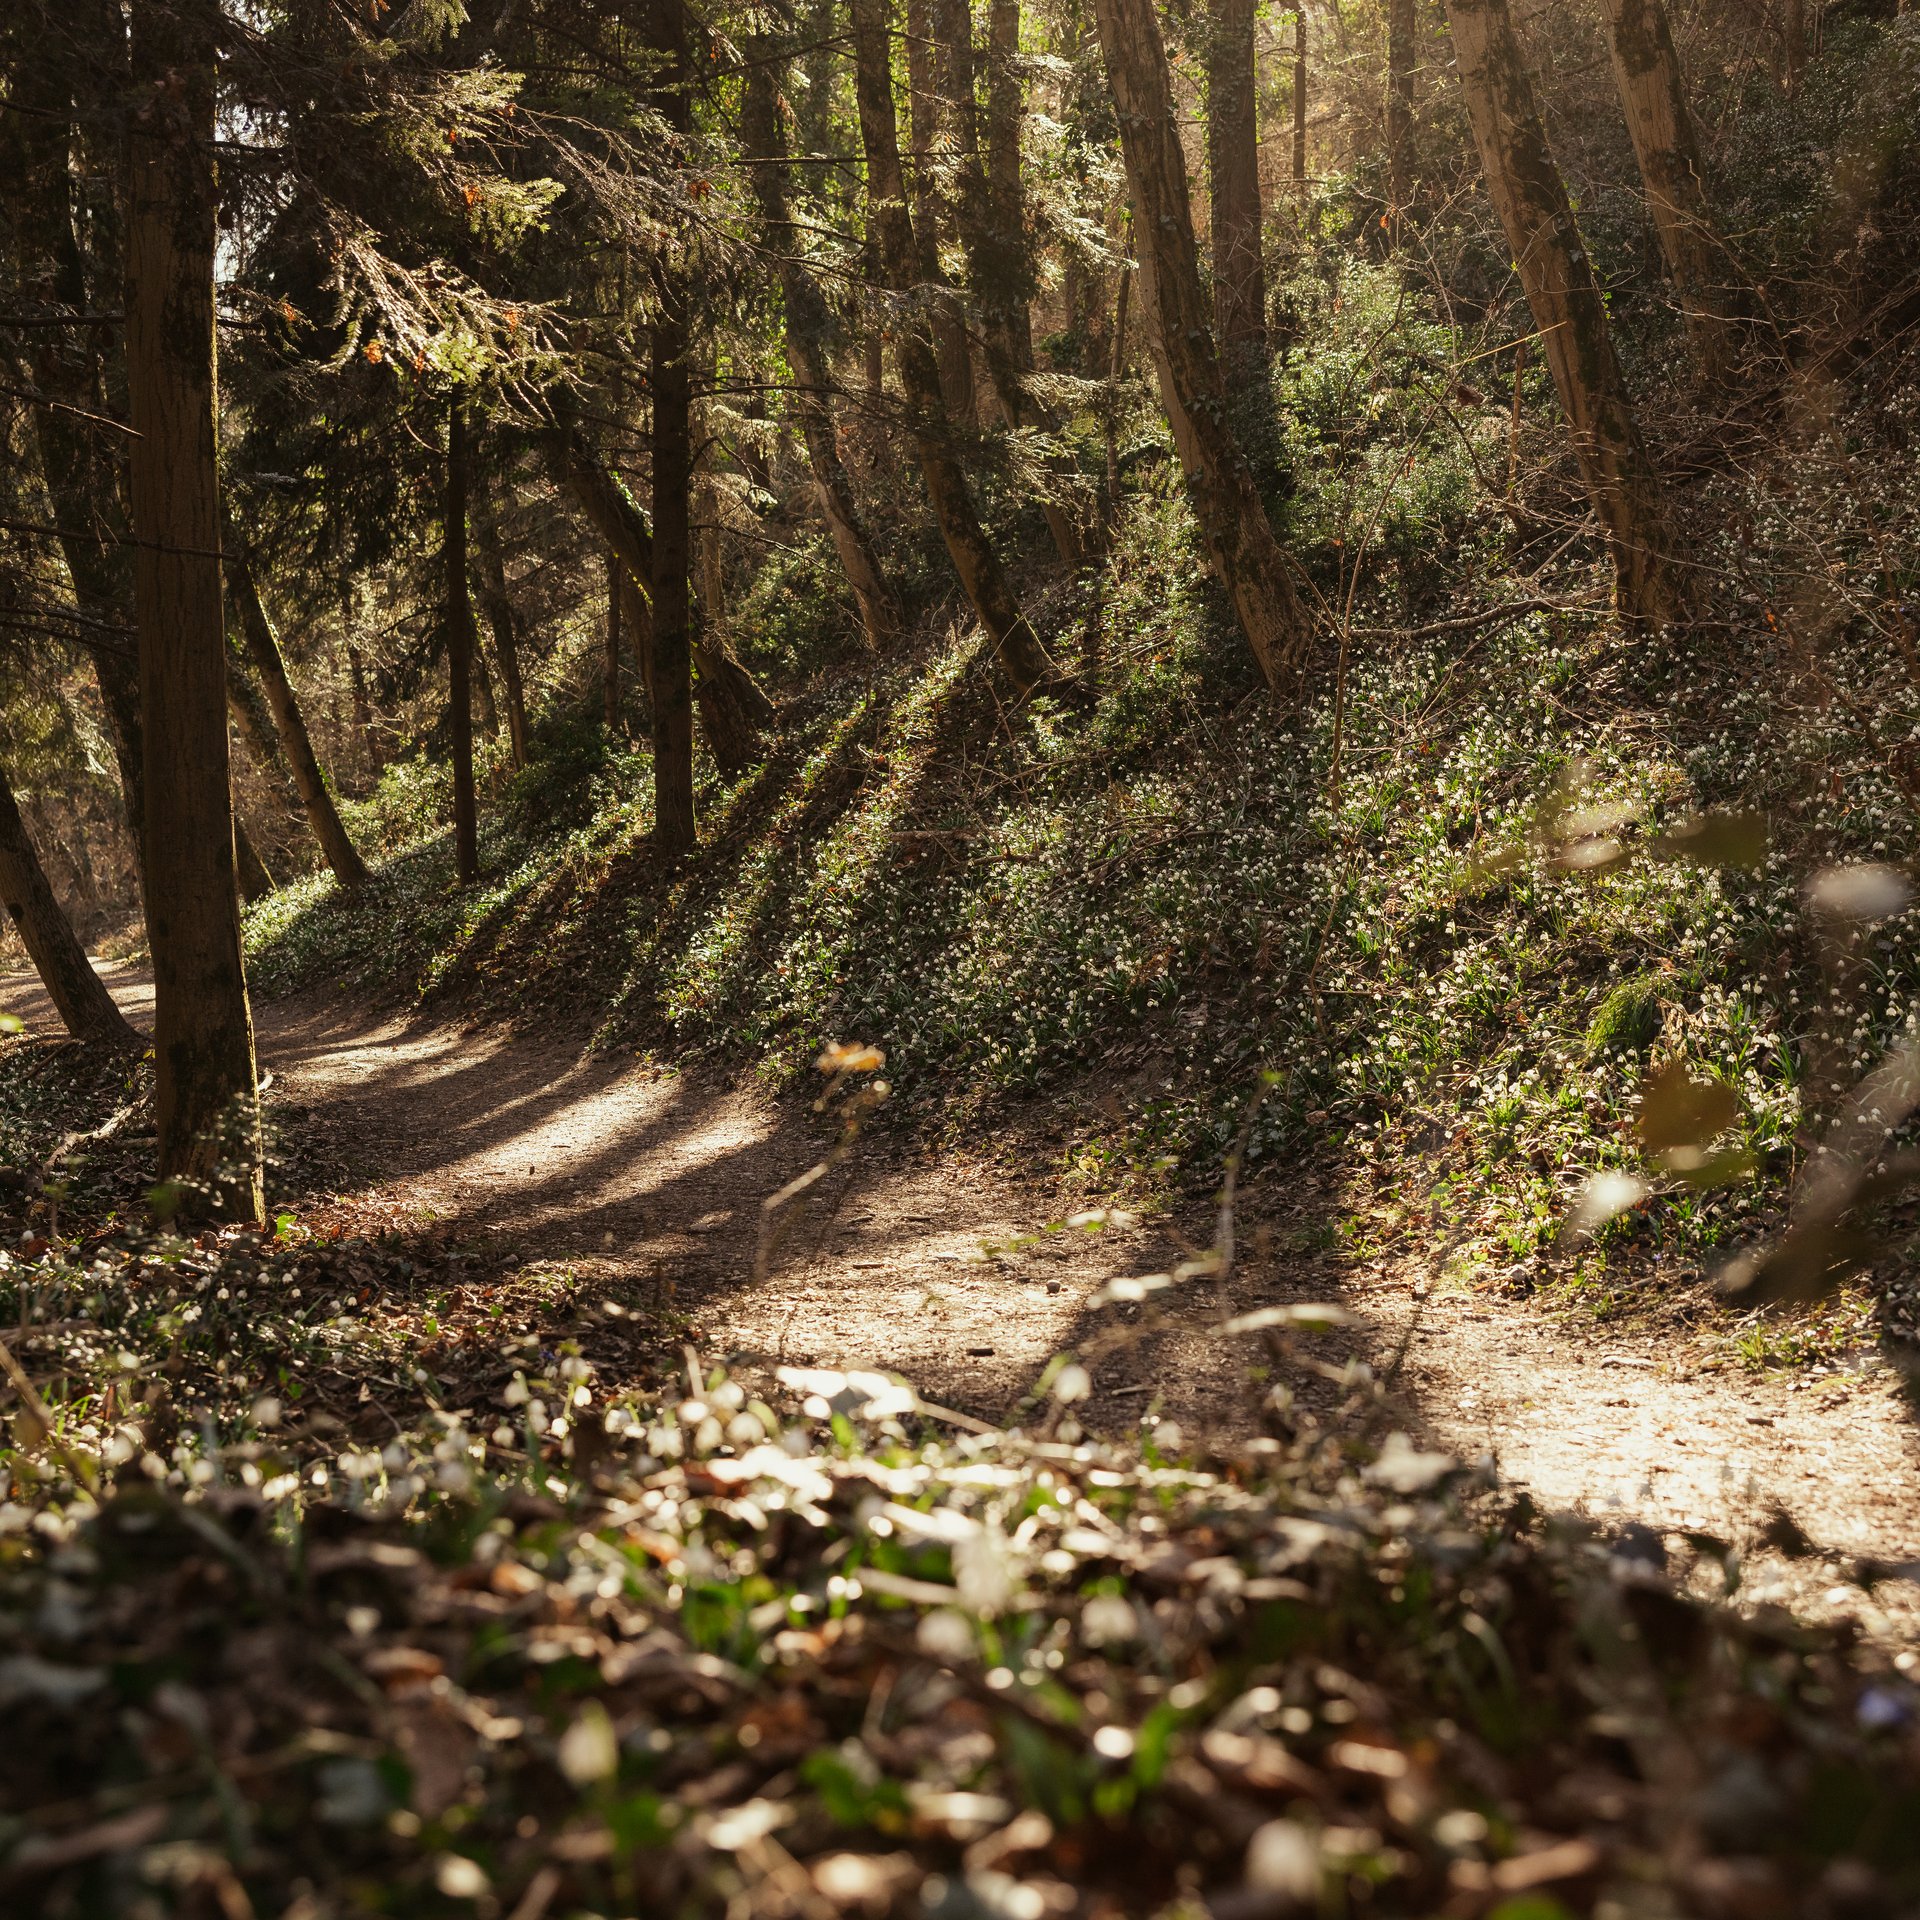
(961, 1275)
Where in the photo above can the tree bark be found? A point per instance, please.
(1568, 310)
(1239, 541)
(78, 994)
(79, 455)
(1116, 369)
(207, 1096)
(924, 118)
(734, 711)
(247, 707)
(981, 576)
(610, 662)
(1403, 27)
(991, 218)
(461, 634)
(255, 881)
(807, 327)
(289, 724)
(483, 688)
(500, 616)
(363, 717)
(1646, 68)
(1300, 97)
(1233, 193)
(670, 587)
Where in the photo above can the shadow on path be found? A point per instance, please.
(526, 1149)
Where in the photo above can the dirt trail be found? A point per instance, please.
(649, 1180)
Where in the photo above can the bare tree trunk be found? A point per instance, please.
(247, 707)
(1233, 193)
(1568, 310)
(79, 453)
(1647, 71)
(1793, 45)
(807, 324)
(483, 689)
(263, 648)
(1403, 27)
(951, 348)
(1116, 369)
(672, 384)
(610, 664)
(1300, 97)
(364, 728)
(255, 881)
(974, 559)
(460, 644)
(991, 216)
(207, 1098)
(79, 995)
(734, 711)
(500, 616)
(1233, 524)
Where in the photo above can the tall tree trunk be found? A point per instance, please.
(79, 453)
(974, 559)
(500, 616)
(251, 871)
(670, 587)
(734, 711)
(1793, 45)
(610, 661)
(1300, 97)
(951, 349)
(1116, 370)
(1233, 524)
(1403, 28)
(807, 325)
(483, 688)
(207, 1097)
(461, 634)
(1646, 68)
(363, 721)
(289, 724)
(77, 992)
(1568, 310)
(1233, 193)
(991, 217)
(247, 707)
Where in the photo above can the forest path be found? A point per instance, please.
(650, 1184)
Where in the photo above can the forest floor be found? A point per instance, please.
(533, 1158)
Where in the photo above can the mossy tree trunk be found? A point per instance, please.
(1713, 302)
(207, 1097)
(808, 326)
(78, 994)
(982, 577)
(1568, 310)
(289, 723)
(1239, 541)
